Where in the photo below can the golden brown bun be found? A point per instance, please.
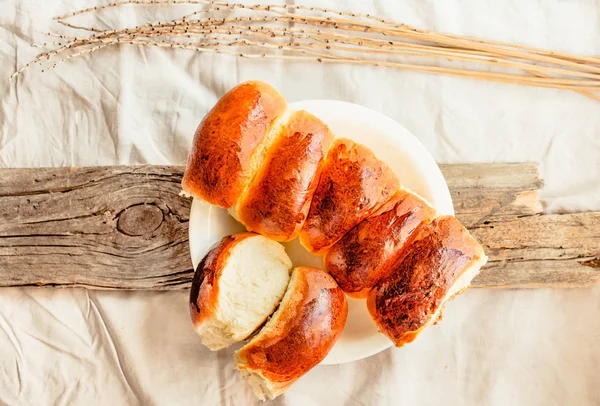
(438, 262)
(353, 184)
(230, 141)
(366, 253)
(236, 287)
(277, 202)
(309, 320)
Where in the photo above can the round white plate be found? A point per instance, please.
(390, 142)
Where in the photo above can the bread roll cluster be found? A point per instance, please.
(283, 175)
(247, 278)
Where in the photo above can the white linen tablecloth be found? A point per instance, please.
(134, 105)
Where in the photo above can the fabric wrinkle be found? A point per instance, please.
(108, 340)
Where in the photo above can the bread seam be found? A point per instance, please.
(275, 130)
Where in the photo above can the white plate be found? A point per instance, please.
(390, 142)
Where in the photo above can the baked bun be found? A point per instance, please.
(298, 336)
(230, 143)
(353, 185)
(277, 201)
(238, 284)
(366, 253)
(438, 263)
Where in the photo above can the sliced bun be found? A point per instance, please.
(367, 252)
(230, 143)
(438, 263)
(277, 201)
(238, 284)
(302, 331)
(353, 185)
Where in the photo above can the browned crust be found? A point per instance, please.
(205, 284)
(437, 254)
(306, 330)
(278, 199)
(218, 168)
(353, 184)
(366, 253)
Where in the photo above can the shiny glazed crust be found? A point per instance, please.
(205, 284)
(300, 334)
(366, 253)
(437, 256)
(353, 185)
(277, 202)
(230, 141)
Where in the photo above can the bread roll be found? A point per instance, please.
(366, 253)
(302, 331)
(277, 201)
(238, 284)
(230, 143)
(353, 184)
(440, 261)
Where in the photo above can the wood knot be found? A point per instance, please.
(140, 219)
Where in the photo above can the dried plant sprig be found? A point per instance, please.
(78, 27)
(301, 33)
(367, 42)
(335, 12)
(419, 50)
(376, 46)
(393, 24)
(311, 54)
(416, 51)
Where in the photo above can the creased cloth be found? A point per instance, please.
(132, 105)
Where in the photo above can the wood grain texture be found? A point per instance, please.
(125, 227)
(106, 227)
(499, 191)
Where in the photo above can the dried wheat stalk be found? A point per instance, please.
(300, 33)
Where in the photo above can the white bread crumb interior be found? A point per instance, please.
(252, 283)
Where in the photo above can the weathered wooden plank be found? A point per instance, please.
(557, 250)
(125, 227)
(481, 191)
(556, 273)
(107, 227)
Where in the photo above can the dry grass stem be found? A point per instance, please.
(316, 34)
